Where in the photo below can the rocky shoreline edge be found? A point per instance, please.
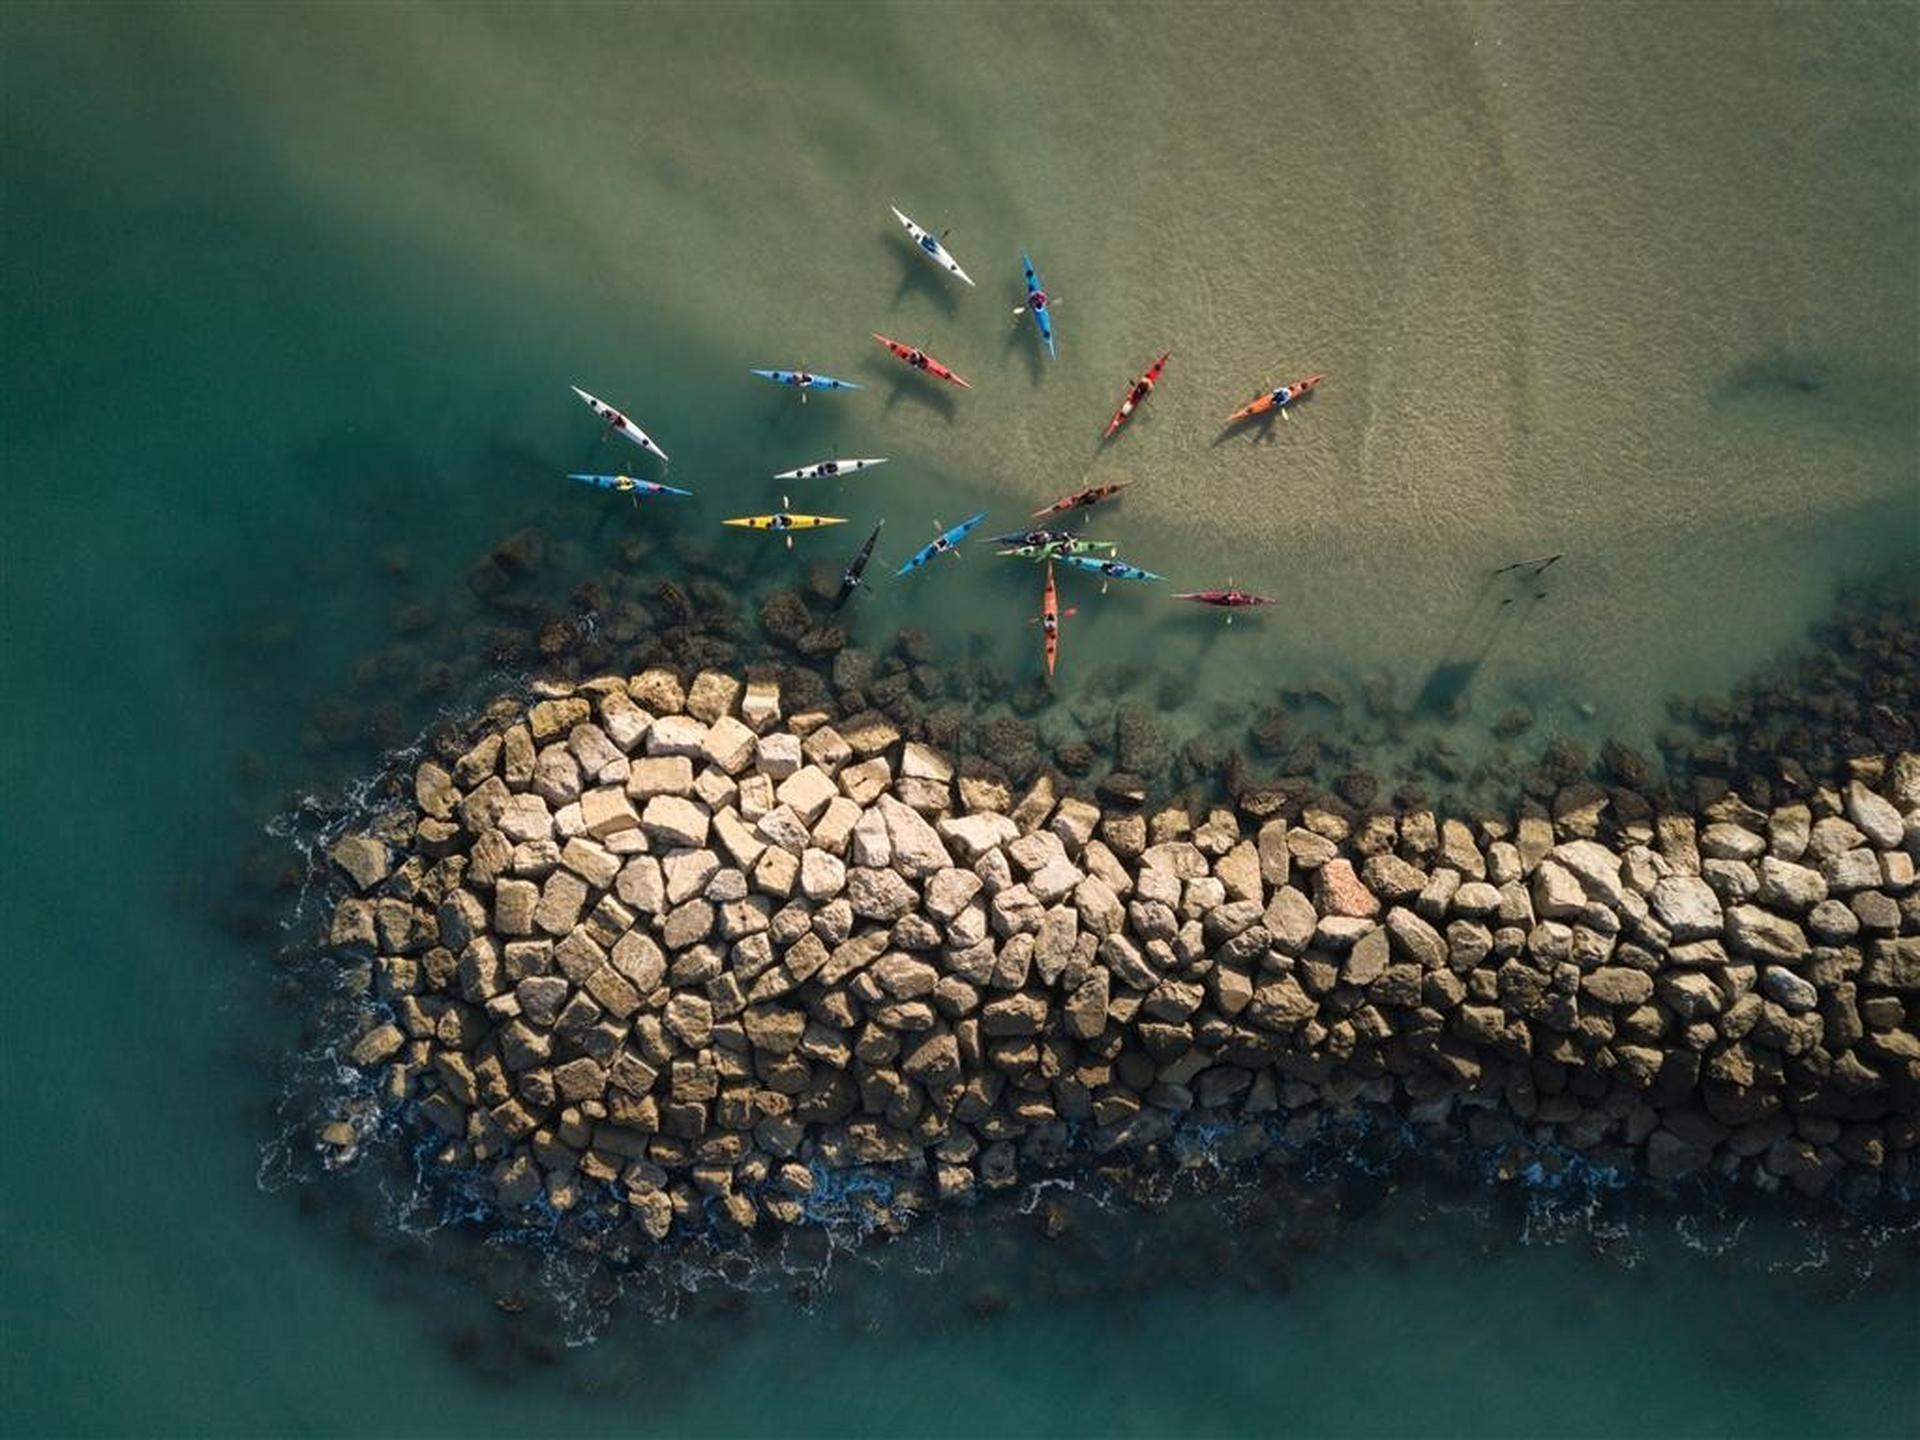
(647, 944)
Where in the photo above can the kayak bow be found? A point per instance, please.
(1275, 400)
(1080, 499)
(1136, 393)
(628, 485)
(616, 421)
(920, 360)
(1037, 302)
(931, 246)
(946, 542)
(826, 469)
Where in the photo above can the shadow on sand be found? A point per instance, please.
(919, 275)
(1499, 613)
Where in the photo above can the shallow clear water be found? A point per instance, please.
(291, 301)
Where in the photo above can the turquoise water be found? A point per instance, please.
(291, 299)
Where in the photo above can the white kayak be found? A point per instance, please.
(616, 421)
(824, 469)
(931, 245)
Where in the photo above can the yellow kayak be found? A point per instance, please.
(785, 522)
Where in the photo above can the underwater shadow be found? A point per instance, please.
(1500, 610)
(1021, 329)
(908, 386)
(918, 274)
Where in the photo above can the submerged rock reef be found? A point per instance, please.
(653, 944)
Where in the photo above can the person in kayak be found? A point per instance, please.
(802, 379)
(917, 359)
(830, 467)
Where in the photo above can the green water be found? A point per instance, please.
(291, 300)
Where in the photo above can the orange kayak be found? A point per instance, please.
(920, 360)
(1080, 499)
(1274, 399)
(1049, 618)
(1139, 391)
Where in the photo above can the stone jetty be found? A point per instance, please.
(655, 939)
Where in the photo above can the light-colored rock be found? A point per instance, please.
(730, 745)
(1789, 990)
(712, 695)
(1595, 867)
(365, 860)
(807, 792)
(760, 708)
(1785, 885)
(660, 775)
(1876, 817)
(1687, 906)
(916, 848)
(778, 755)
(973, 835)
(677, 735)
(822, 876)
(670, 820)
(642, 886)
(862, 783)
(606, 811)
(1764, 935)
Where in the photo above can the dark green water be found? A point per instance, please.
(291, 298)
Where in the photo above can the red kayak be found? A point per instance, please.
(1080, 499)
(1228, 600)
(1139, 391)
(920, 360)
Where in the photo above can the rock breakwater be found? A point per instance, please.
(657, 940)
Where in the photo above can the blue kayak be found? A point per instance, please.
(628, 485)
(948, 540)
(1037, 303)
(1107, 569)
(801, 380)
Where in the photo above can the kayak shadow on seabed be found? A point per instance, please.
(917, 275)
(1499, 613)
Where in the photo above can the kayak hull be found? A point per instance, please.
(1136, 395)
(629, 485)
(1275, 399)
(947, 543)
(920, 360)
(1037, 303)
(784, 521)
(804, 380)
(1080, 499)
(621, 423)
(1108, 569)
(828, 469)
(929, 246)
